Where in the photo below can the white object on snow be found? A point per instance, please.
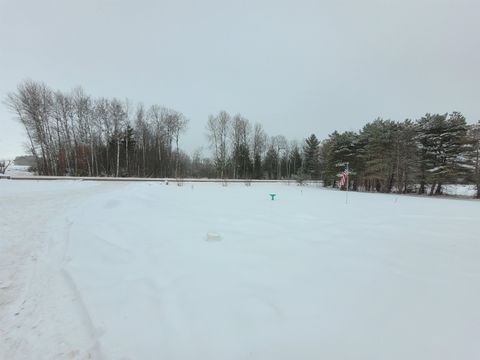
(213, 236)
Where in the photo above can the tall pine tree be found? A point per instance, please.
(311, 152)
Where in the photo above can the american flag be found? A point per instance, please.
(343, 179)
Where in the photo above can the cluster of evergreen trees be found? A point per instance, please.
(75, 134)
(409, 156)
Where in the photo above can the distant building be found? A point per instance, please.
(25, 161)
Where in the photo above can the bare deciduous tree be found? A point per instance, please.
(217, 133)
(4, 166)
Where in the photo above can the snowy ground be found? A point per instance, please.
(18, 170)
(123, 271)
(460, 190)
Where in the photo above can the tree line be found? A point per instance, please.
(410, 156)
(72, 133)
(75, 134)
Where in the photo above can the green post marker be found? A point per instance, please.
(273, 196)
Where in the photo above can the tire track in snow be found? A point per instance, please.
(42, 314)
(85, 315)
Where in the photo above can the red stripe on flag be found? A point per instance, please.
(343, 179)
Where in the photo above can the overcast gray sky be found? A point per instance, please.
(295, 66)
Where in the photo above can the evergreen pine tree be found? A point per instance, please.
(472, 156)
(295, 160)
(442, 141)
(335, 151)
(270, 164)
(311, 152)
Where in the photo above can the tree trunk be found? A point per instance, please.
(126, 150)
(421, 190)
(176, 157)
(118, 157)
(390, 183)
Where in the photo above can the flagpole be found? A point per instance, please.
(348, 179)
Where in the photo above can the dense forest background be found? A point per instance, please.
(71, 133)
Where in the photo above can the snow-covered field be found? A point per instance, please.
(18, 170)
(92, 270)
(460, 190)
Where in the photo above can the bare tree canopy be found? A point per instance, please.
(72, 133)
